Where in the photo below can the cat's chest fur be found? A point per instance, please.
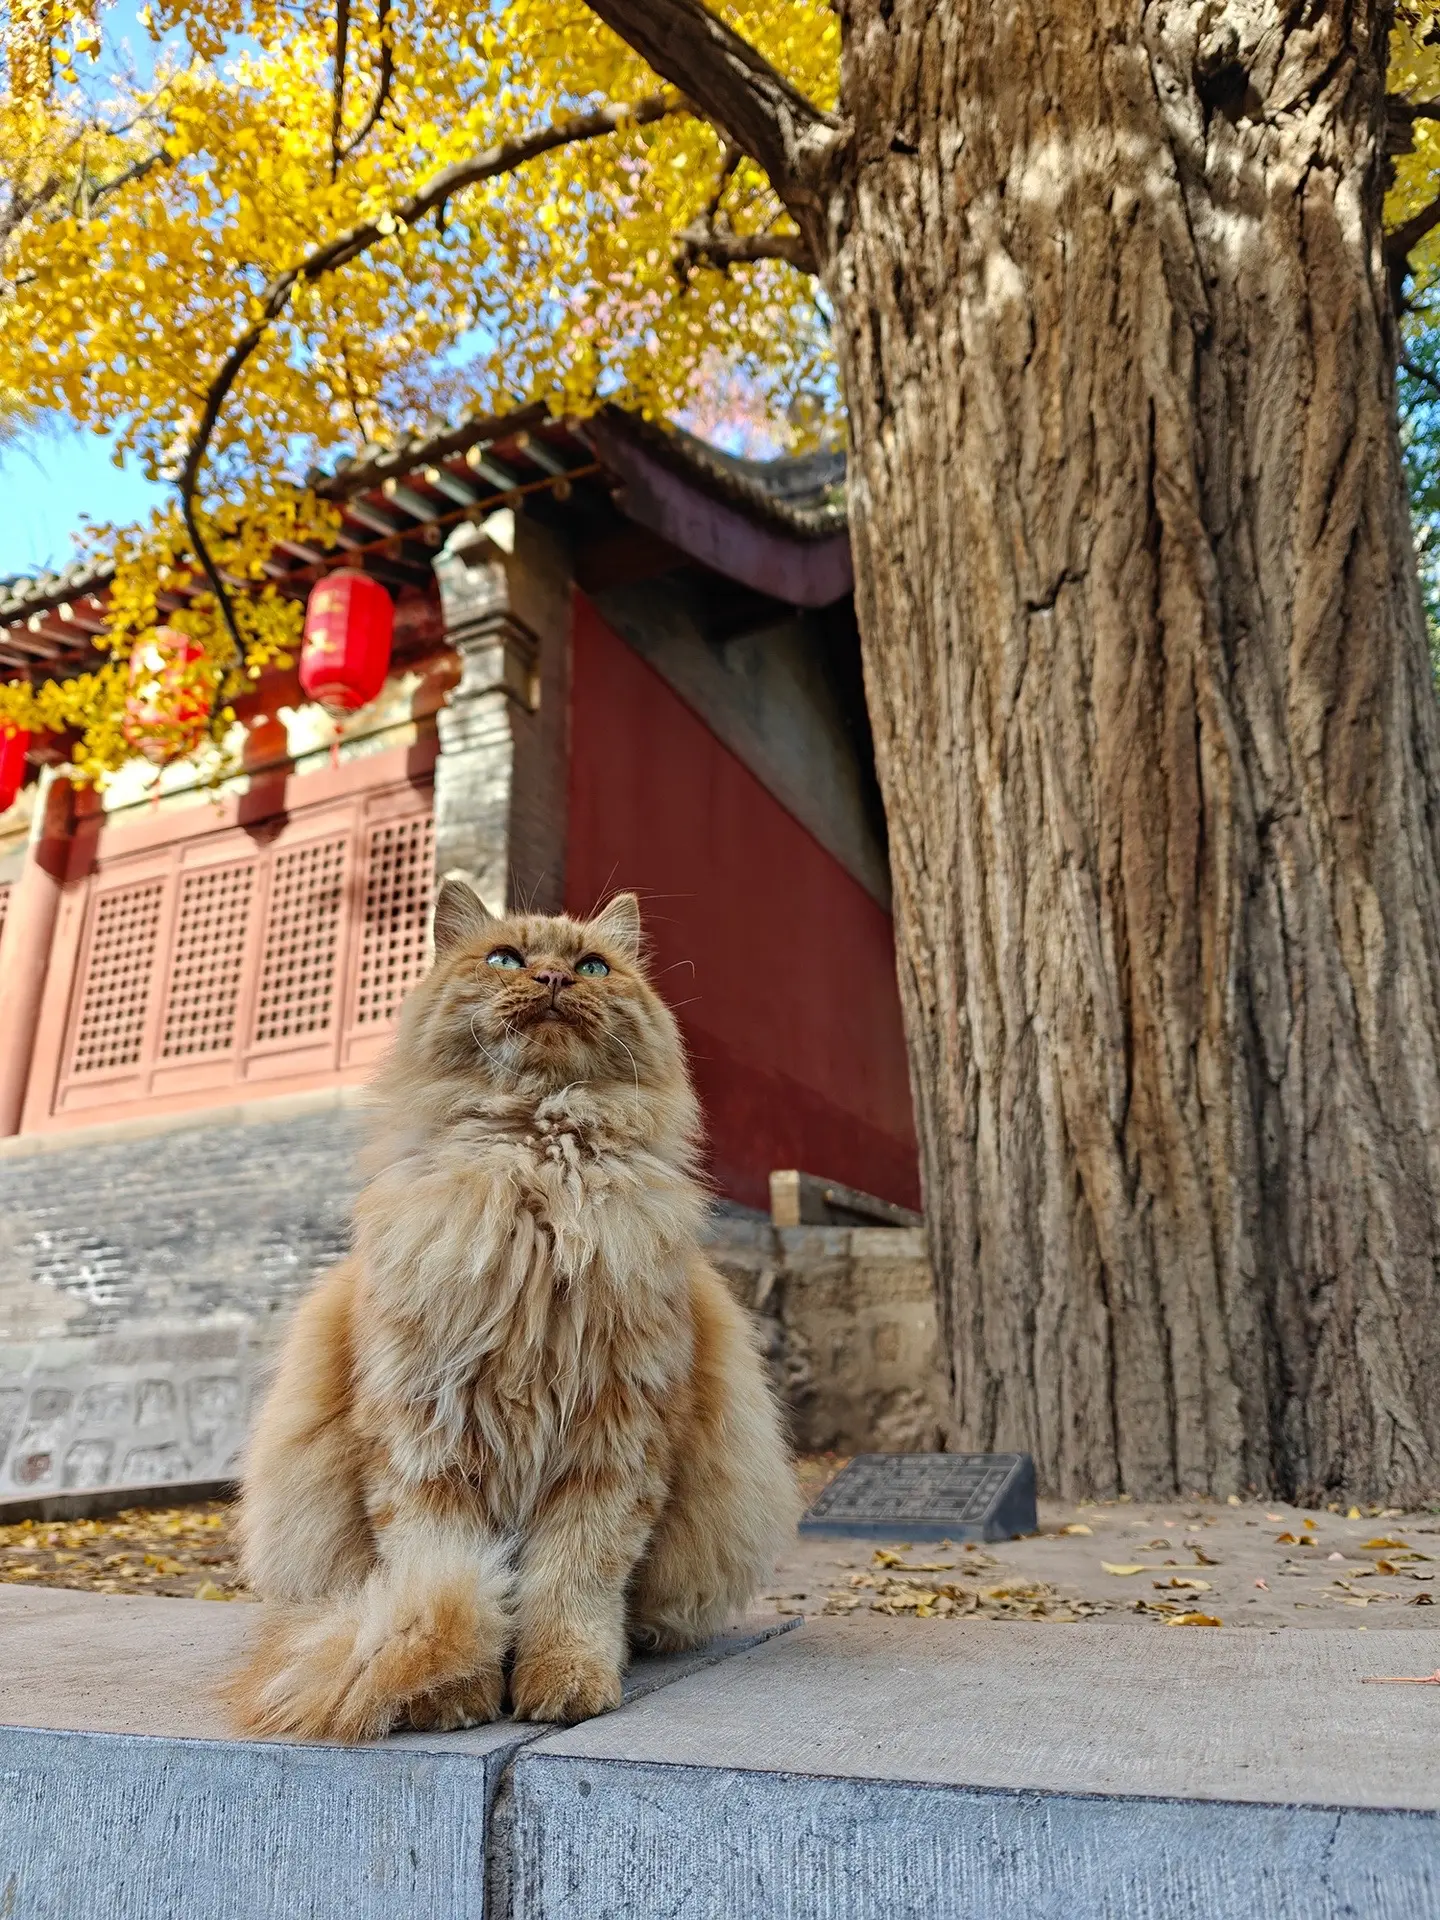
(522, 1285)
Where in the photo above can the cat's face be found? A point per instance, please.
(532, 998)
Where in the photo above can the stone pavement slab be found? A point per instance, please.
(1256, 1564)
(1004, 1771)
(859, 1769)
(123, 1794)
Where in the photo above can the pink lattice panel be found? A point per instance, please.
(297, 973)
(209, 957)
(115, 993)
(398, 887)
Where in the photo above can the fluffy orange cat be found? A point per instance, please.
(523, 1427)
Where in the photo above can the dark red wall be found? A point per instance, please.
(780, 966)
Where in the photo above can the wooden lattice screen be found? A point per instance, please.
(234, 959)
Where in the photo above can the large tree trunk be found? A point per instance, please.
(1155, 729)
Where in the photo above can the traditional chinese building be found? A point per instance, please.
(657, 687)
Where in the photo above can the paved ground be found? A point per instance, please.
(1193, 1563)
(180, 1552)
(1259, 1564)
(867, 1767)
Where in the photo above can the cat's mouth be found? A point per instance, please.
(544, 1013)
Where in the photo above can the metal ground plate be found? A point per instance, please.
(928, 1496)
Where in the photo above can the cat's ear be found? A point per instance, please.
(618, 925)
(460, 913)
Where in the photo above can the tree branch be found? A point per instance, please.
(710, 246)
(1400, 244)
(137, 170)
(504, 157)
(1400, 117)
(383, 83)
(1413, 109)
(737, 88)
(337, 95)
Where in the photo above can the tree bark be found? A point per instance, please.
(1154, 723)
(1151, 698)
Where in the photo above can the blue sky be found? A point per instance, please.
(48, 484)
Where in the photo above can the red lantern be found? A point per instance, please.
(346, 652)
(14, 745)
(167, 710)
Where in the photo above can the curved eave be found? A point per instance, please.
(774, 527)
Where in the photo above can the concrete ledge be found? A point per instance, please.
(124, 1795)
(625, 1841)
(199, 1830)
(1007, 1772)
(900, 1770)
(94, 1505)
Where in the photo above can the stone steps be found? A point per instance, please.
(901, 1770)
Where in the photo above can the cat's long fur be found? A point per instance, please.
(523, 1426)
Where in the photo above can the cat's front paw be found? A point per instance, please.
(563, 1681)
(472, 1702)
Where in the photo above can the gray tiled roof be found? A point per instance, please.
(47, 620)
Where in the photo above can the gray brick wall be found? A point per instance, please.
(144, 1281)
(179, 1226)
(145, 1278)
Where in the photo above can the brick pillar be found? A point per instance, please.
(25, 946)
(492, 726)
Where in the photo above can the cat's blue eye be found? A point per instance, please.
(504, 957)
(592, 965)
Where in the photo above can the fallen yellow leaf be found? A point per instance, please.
(1353, 1514)
(1075, 1527)
(1286, 1540)
(1384, 1541)
(1194, 1620)
(1111, 1567)
(1194, 1586)
(207, 1590)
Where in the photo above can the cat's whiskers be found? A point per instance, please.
(497, 1064)
(635, 1070)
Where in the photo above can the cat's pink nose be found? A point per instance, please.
(555, 978)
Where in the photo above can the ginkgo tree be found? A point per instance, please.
(1111, 298)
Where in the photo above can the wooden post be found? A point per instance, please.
(804, 1200)
(25, 946)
